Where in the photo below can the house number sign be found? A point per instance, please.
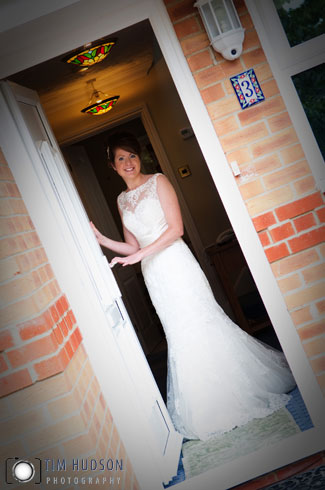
(247, 88)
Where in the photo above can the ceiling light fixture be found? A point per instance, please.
(99, 103)
(91, 55)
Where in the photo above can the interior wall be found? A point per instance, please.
(158, 92)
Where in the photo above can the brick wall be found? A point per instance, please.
(51, 405)
(276, 182)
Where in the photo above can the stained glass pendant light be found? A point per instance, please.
(88, 57)
(99, 103)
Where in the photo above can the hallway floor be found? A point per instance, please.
(209, 454)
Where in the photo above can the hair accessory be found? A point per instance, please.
(107, 149)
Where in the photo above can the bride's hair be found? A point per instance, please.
(126, 141)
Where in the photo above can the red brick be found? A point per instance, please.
(258, 483)
(36, 326)
(304, 222)
(277, 252)
(213, 93)
(264, 237)
(314, 274)
(251, 40)
(244, 136)
(321, 307)
(69, 350)
(64, 327)
(75, 339)
(253, 58)
(3, 364)
(200, 60)
(62, 305)
(230, 68)
(269, 88)
(78, 335)
(307, 240)
(34, 350)
(6, 340)
(181, 9)
(246, 21)
(274, 143)
(281, 232)
(259, 111)
(295, 262)
(52, 366)
(300, 206)
(303, 315)
(300, 466)
(264, 221)
(58, 334)
(321, 214)
(280, 121)
(54, 313)
(195, 43)
(71, 317)
(186, 27)
(209, 76)
(313, 330)
(15, 381)
(306, 185)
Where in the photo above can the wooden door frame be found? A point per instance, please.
(41, 33)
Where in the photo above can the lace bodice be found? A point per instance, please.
(142, 213)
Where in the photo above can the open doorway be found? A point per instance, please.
(207, 214)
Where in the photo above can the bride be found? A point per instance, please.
(218, 376)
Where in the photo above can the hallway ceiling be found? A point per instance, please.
(63, 88)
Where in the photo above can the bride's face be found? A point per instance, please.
(126, 164)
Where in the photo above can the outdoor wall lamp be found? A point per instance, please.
(223, 26)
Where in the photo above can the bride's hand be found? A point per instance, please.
(129, 260)
(99, 236)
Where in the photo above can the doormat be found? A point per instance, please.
(201, 456)
(313, 479)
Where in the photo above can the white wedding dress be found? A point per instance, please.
(218, 376)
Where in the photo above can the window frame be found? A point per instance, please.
(286, 61)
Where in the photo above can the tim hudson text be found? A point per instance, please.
(84, 464)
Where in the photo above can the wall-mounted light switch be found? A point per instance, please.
(184, 171)
(235, 168)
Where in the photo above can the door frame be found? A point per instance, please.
(94, 298)
(141, 111)
(41, 33)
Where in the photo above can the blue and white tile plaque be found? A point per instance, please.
(247, 88)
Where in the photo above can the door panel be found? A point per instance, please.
(148, 330)
(165, 444)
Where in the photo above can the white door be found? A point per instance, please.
(165, 441)
(133, 292)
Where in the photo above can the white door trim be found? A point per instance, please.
(41, 33)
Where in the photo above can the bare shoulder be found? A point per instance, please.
(165, 189)
(163, 182)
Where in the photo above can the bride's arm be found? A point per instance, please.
(169, 203)
(128, 247)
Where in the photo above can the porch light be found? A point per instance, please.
(99, 103)
(223, 26)
(85, 58)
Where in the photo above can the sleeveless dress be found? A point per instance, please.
(218, 376)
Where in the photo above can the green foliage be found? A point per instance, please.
(302, 23)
